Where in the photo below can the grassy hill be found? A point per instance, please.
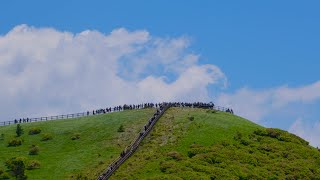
(203, 144)
(63, 158)
(184, 144)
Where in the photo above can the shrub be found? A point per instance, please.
(175, 155)
(191, 118)
(238, 136)
(265, 148)
(34, 150)
(19, 130)
(34, 130)
(75, 136)
(260, 132)
(46, 137)
(245, 142)
(274, 133)
(4, 175)
(121, 128)
(15, 142)
(16, 166)
(191, 154)
(33, 164)
(166, 166)
(225, 143)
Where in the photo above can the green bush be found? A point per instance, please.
(46, 137)
(15, 142)
(34, 150)
(260, 132)
(167, 166)
(4, 175)
(121, 128)
(34, 130)
(238, 136)
(174, 155)
(191, 118)
(75, 136)
(33, 164)
(16, 166)
(245, 142)
(274, 133)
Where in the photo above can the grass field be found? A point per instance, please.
(203, 144)
(184, 144)
(64, 158)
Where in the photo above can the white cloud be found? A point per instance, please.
(256, 104)
(46, 71)
(307, 131)
(306, 94)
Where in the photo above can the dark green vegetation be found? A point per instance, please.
(202, 144)
(68, 149)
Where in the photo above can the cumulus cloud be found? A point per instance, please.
(256, 104)
(310, 132)
(46, 71)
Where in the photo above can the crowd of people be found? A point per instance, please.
(121, 108)
(23, 120)
(126, 107)
(93, 112)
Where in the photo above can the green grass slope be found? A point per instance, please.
(203, 144)
(86, 157)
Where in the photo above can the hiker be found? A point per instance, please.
(122, 154)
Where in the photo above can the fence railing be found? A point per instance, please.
(56, 117)
(76, 115)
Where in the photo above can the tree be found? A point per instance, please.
(19, 130)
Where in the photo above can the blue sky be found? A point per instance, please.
(268, 53)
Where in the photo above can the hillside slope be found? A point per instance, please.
(64, 158)
(203, 144)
